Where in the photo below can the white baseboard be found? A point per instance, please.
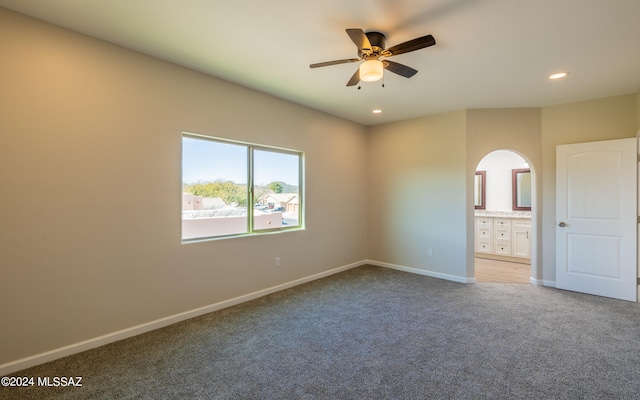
(439, 275)
(456, 278)
(75, 348)
(542, 282)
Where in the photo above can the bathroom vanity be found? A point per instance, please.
(503, 235)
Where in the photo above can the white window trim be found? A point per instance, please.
(250, 183)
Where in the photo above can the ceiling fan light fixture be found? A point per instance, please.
(371, 70)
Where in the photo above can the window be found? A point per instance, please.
(222, 180)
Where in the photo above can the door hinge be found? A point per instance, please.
(638, 281)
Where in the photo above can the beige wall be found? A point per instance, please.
(90, 163)
(417, 194)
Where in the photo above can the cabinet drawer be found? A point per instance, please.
(503, 249)
(484, 222)
(483, 246)
(483, 233)
(502, 234)
(501, 222)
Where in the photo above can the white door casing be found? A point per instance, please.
(596, 218)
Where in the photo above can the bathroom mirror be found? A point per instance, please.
(479, 190)
(521, 191)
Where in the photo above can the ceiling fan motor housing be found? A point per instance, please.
(377, 40)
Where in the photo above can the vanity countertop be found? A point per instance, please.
(503, 214)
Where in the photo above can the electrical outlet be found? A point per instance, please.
(430, 252)
(277, 261)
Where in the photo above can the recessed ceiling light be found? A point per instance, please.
(558, 75)
(376, 111)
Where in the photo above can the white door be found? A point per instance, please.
(596, 218)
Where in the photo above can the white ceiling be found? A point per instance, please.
(489, 53)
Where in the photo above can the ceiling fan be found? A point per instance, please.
(371, 49)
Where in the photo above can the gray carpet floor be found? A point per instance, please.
(374, 333)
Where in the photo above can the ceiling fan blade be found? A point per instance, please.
(360, 39)
(411, 45)
(399, 69)
(327, 63)
(355, 78)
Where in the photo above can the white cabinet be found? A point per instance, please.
(505, 237)
(502, 236)
(484, 234)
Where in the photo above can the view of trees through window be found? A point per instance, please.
(215, 183)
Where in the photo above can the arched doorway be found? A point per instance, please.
(503, 229)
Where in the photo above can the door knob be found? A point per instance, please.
(562, 224)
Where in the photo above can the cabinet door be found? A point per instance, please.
(521, 241)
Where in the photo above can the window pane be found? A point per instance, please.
(276, 189)
(214, 186)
